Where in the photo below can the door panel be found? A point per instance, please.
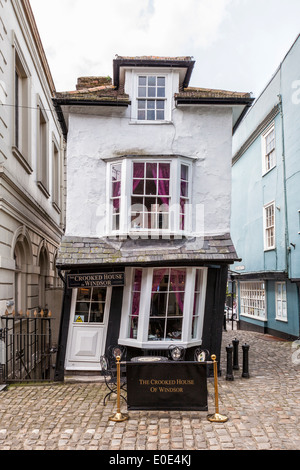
(86, 341)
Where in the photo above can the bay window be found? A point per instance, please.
(163, 305)
(150, 196)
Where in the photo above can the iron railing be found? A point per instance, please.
(26, 352)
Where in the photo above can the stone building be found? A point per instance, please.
(31, 168)
(147, 244)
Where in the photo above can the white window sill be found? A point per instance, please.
(253, 317)
(157, 344)
(284, 320)
(270, 249)
(147, 123)
(268, 171)
(149, 234)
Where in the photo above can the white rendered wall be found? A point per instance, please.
(201, 133)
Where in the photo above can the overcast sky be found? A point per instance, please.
(237, 44)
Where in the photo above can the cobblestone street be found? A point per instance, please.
(263, 411)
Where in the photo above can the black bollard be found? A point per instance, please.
(245, 373)
(235, 343)
(229, 373)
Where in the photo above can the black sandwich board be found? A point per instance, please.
(165, 386)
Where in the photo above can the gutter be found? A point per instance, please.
(59, 102)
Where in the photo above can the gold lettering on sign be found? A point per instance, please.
(163, 385)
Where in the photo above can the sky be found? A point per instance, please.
(237, 44)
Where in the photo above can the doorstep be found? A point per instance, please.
(83, 377)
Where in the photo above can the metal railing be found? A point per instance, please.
(26, 348)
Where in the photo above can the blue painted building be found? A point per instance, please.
(266, 205)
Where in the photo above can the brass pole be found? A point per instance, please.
(118, 416)
(216, 417)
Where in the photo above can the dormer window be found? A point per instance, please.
(151, 98)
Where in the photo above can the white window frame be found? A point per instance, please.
(265, 155)
(125, 228)
(281, 314)
(252, 298)
(141, 341)
(267, 227)
(42, 148)
(167, 99)
(22, 114)
(56, 175)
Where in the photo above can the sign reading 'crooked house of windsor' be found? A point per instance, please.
(95, 280)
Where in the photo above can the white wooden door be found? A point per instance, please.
(88, 328)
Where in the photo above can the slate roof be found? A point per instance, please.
(76, 251)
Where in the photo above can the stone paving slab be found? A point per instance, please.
(263, 411)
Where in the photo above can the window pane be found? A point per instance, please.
(161, 81)
(184, 189)
(138, 186)
(184, 172)
(151, 115)
(161, 92)
(175, 305)
(151, 81)
(135, 303)
(160, 280)
(160, 105)
(97, 313)
(151, 92)
(142, 93)
(158, 304)
(151, 187)
(142, 81)
(90, 305)
(99, 294)
(156, 329)
(141, 115)
(83, 294)
(138, 170)
(141, 104)
(116, 189)
(150, 204)
(160, 115)
(151, 171)
(174, 329)
(164, 170)
(151, 104)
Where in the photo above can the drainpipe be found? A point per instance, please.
(286, 229)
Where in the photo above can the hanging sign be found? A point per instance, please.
(164, 386)
(95, 280)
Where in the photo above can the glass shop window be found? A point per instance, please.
(135, 304)
(167, 302)
(90, 305)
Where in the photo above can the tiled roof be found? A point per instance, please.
(155, 58)
(97, 89)
(94, 251)
(198, 93)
